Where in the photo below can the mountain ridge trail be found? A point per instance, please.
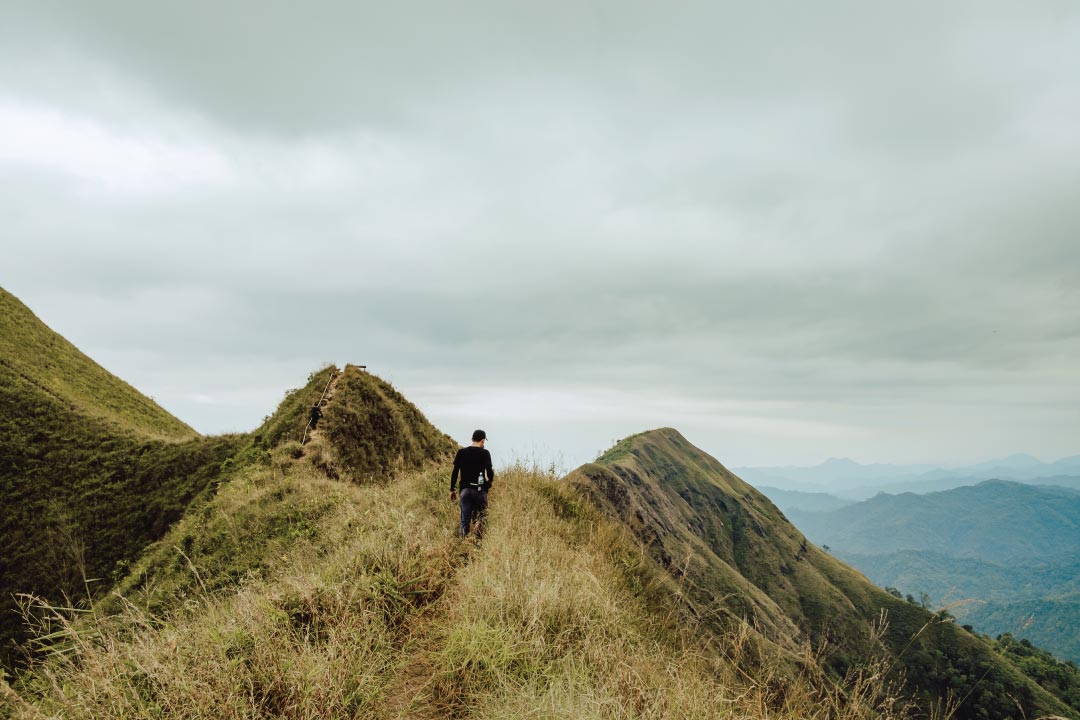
(311, 433)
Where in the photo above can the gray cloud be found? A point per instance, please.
(793, 231)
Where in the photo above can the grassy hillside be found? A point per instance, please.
(240, 533)
(252, 576)
(290, 594)
(90, 470)
(373, 431)
(320, 598)
(737, 558)
(94, 499)
(29, 350)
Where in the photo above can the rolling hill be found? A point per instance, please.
(738, 557)
(31, 352)
(291, 594)
(995, 521)
(91, 470)
(1034, 601)
(1008, 553)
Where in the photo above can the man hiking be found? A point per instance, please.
(473, 463)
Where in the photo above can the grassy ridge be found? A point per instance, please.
(655, 584)
(297, 612)
(373, 431)
(364, 604)
(91, 471)
(94, 497)
(739, 558)
(80, 497)
(44, 359)
(288, 421)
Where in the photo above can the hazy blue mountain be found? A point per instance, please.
(831, 474)
(940, 483)
(1010, 549)
(846, 478)
(1068, 463)
(1016, 461)
(796, 500)
(1067, 481)
(995, 521)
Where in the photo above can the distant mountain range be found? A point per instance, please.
(995, 521)
(795, 500)
(848, 479)
(1012, 549)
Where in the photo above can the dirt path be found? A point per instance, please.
(328, 395)
(409, 694)
(412, 693)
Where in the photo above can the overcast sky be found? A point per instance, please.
(791, 230)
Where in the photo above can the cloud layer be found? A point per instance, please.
(793, 232)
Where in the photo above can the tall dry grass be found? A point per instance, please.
(384, 613)
(320, 638)
(549, 621)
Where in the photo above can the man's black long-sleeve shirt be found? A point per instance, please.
(474, 465)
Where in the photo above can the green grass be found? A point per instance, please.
(312, 627)
(373, 432)
(92, 472)
(740, 560)
(288, 421)
(81, 496)
(90, 469)
(44, 359)
(260, 578)
(377, 610)
(289, 594)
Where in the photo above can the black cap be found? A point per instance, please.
(479, 435)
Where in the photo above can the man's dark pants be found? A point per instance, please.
(473, 507)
